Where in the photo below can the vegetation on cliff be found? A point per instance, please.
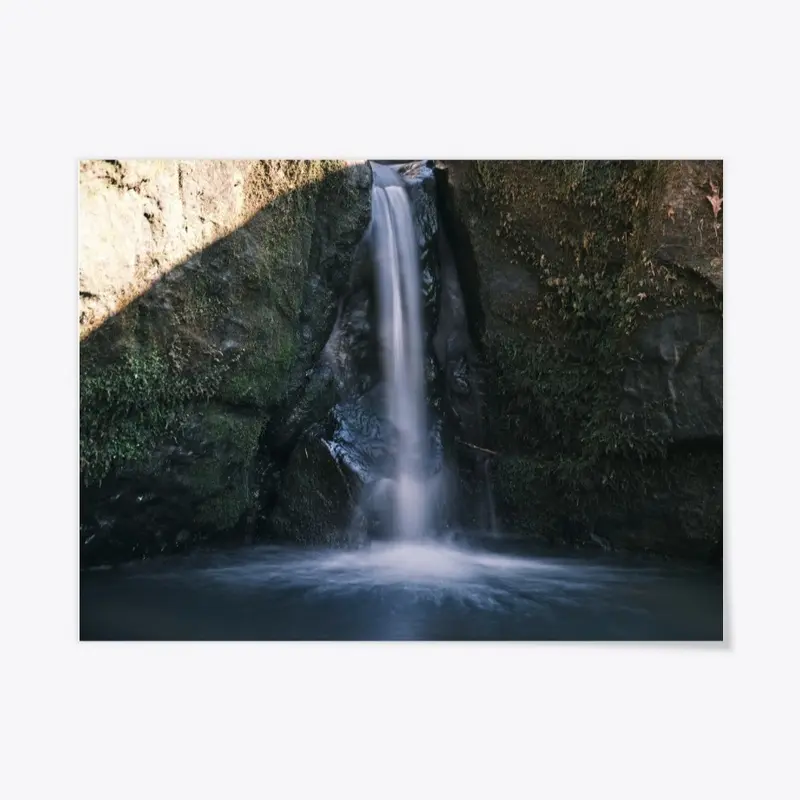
(178, 384)
(587, 238)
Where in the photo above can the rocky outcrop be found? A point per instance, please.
(207, 292)
(230, 376)
(595, 297)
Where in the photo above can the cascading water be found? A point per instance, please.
(399, 293)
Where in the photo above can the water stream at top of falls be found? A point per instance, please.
(399, 291)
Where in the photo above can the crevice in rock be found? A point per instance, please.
(458, 346)
(458, 238)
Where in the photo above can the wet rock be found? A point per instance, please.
(318, 495)
(360, 437)
(337, 466)
(351, 352)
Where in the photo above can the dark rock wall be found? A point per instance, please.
(596, 290)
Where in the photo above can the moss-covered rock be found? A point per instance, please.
(319, 495)
(207, 292)
(599, 285)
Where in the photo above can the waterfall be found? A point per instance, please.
(399, 294)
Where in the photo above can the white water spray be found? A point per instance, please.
(400, 311)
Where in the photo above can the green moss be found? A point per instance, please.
(138, 390)
(241, 433)
(317, 498)
(259, 374)
(237, 444)
(276, 255)
(221, 470)
(127, 406)
(224, 511)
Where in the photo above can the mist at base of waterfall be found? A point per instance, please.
(428, 590)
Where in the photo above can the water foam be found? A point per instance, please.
(419, 569)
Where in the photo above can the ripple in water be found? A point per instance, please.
(422, 570)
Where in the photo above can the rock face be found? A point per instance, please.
(231, 382)
(208, 290)
(679, 368)
(595, 299)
